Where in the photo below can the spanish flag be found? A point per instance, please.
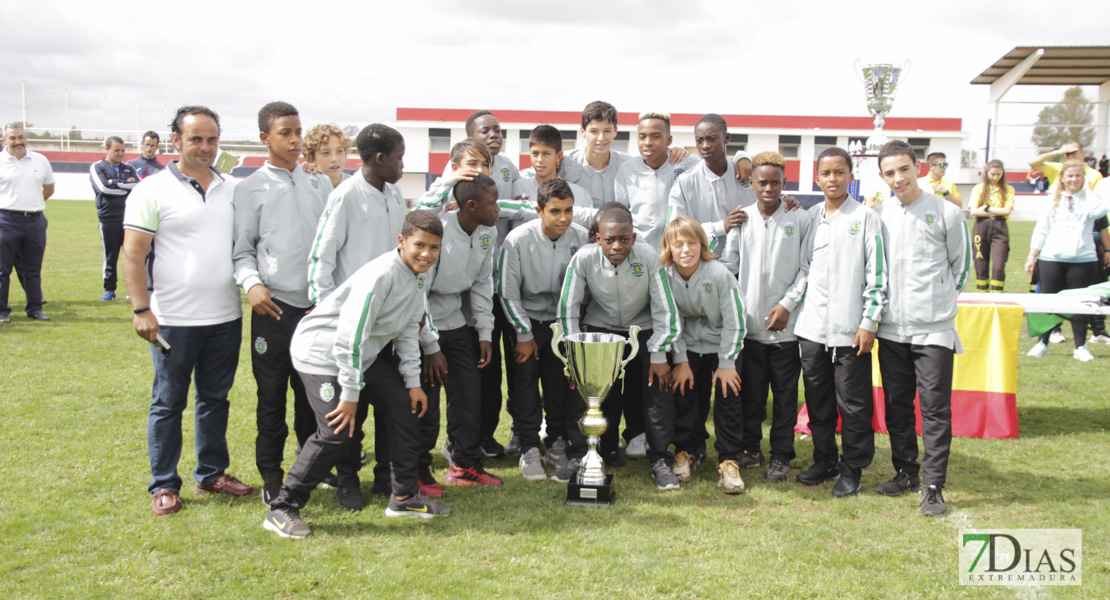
(984, 378)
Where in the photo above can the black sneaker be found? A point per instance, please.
(270, 491)
(491, 448)
(350, 497)
(818, 473)
(777, 472)
(932, 504)
(665, 479)
(286, 522)
(848, 485)
(613, 459)
(899, 484)
(751, 460)
(381, 487)
(567, 472)
(416, 505)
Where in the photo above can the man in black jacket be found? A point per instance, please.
(112, 180)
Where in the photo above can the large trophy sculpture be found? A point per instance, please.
(880, 82)
(593, 362)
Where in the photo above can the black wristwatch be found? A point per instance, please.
(141, 310)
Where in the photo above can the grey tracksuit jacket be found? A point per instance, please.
(708, 199)
(462, 285)
(712, 313)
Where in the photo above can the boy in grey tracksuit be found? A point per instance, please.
(276, 211)
(460, 305)
(627, 286)
(845, 294)
(702, 195)
(344, 352)
(532, 265)
(930, 260)
(768, 254)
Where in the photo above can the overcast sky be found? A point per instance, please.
(357, 62)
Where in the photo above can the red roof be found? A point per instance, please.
(563, 117)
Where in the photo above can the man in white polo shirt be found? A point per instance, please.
(194, 320)
(26, 181)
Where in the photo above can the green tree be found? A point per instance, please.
(1070, 119)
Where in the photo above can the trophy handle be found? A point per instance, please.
(905, 70)
(557, 336)
(633, 342)
(858, 71)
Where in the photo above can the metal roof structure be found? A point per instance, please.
(1057, 65)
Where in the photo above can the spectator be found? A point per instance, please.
(26, 182)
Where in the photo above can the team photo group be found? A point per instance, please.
(361, 303)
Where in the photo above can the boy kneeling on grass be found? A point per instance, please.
(347, 345)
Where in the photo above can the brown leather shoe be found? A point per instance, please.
(166, 502)
(227, 485)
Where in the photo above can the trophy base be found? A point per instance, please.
(580, 494)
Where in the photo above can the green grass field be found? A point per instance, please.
(75, 517)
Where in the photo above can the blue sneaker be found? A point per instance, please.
(108, 296)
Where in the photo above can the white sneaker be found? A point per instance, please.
(637, 447)
(1056, 337)
(1082, 354)
(1100, 339)
(531, 465)
(728, 477)
(684, 466)
(1041, 349)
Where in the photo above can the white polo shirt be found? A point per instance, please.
(194, 282)
(22, 180)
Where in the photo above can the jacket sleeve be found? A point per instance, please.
(244, 253)
(407, 347)
(99, 179)
(127, 171)
(797, 289)
(732, 326)
(429, 335)
(356, 321)
(331, 234)
(876, 273)
(666, 324)
(958, 241)
(584, 210)
(438, 195)
(730, 256)
(570, 298)
(481, 299)
(508, 288)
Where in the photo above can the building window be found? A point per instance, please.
(788, 145)
(439, 141)
(822, 143)
(736, 142)
(525, 145)
(920, 147)
(569, 139)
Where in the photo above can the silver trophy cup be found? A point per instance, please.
(594, 362)
(880, 83)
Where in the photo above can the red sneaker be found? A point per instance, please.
(227, 485)
(431, 489)
(166, 502)
(470, 476)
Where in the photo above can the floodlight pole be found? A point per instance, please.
(23, 86)
(1003, 85)
(65, 134)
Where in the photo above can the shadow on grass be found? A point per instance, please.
(1048, 421)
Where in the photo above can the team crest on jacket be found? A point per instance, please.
(505, 174)
(260, 345)
(485, 241)
(788, 230)
(930, 218)
(420, 281)
(678, 172)
(708, 287)
(853, 227)
(397, 198)
(327, 391)
(315, 184)
(573, 249)
(638, 269)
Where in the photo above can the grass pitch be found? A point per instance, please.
(75, 517)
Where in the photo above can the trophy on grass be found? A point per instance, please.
(880, 84)
(593, 362)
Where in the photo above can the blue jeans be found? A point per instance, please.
(209, 355)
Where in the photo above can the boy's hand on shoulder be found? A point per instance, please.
(435, 368)
(790, 203)
(662, 372)
(682, 376)
(418, 402)
(735, 218)
(485, 354)
(677, 154)
(343, 417)
(525, 351)
(744, 170)
(311, 168)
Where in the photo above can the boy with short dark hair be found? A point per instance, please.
(767, 252)
(844, 299)
(347, 345)
(627, 286)
(532, 265)
(545, 145)
(276, 211)
(930, 260)
(461, 344)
